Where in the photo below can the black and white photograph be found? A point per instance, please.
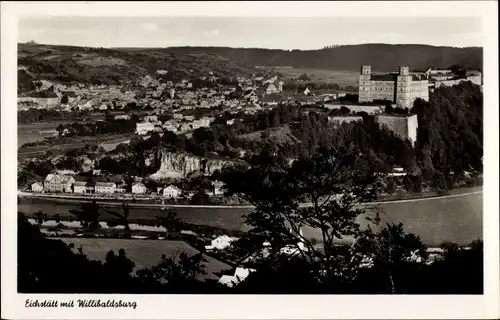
(250, 155)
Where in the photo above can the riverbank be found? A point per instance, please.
(455, 218)
(155, 202)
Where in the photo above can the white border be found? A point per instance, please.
(258, 307)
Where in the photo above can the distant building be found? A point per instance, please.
(402, 88)
(37, 187)
(271, 89)
(144, 128)
(218, 188)
(280, 86)
(307, 91)
(122, 117)
(220, 243)
(356, 108)
(138, 188)
(404, 126)
(341, 119)
(58, 183)
(172, 192)
(105, 187)
(152, 118)
(84, 187)
(240, 274)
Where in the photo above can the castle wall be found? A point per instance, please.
(376, 90)
(338, 120)
(403, 126)
(404, 91)
(450, 83)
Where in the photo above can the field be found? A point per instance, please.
(107, 141)
(35, 132)
(456, 219)
(280, 135)
(342, 78)
(145, 253)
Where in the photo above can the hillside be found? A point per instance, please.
(382, 57)
(68, 64)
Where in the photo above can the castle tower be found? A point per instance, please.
(404, 70)
(280, 86)
(403, 88)
(366, 69)
(364, 83)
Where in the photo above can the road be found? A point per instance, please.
(81, 199)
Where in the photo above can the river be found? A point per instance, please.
(457, 219)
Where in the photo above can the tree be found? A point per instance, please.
(60, 129)
(88, 216)
(122, 219)
(276, 191)
(170, 222)
(180, 273)
(345, 110)
(64, 99)
(394, 256)
(200, 197)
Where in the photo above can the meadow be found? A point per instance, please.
(144, 253)
(342, 78)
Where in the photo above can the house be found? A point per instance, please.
(122, 117)
(151, 118)
(58, 183)
(218, 188)
(220, 243)
(84, 187)
(105, 187)
(240, 274)
(188, 233)
(307, 91)
(271, 89)
(144, 128)
(228, 281)
(171, 192)
(138, 188)
(37, 187)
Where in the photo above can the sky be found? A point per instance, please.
(256, 32)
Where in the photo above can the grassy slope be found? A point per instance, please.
(91, 65)
(145, 253)
(281, 135)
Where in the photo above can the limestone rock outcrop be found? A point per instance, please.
(181, 165)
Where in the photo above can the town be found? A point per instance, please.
(219, 169)
(191, 104)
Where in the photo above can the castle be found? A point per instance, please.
(401, 88)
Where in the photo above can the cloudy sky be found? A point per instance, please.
(260, 32)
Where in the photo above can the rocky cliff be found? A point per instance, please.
(181, 165)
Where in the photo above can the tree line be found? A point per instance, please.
(109, 126)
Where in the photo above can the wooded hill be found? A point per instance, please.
(70, 64)
(382, 57)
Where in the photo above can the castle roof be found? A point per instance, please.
(384, 77)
